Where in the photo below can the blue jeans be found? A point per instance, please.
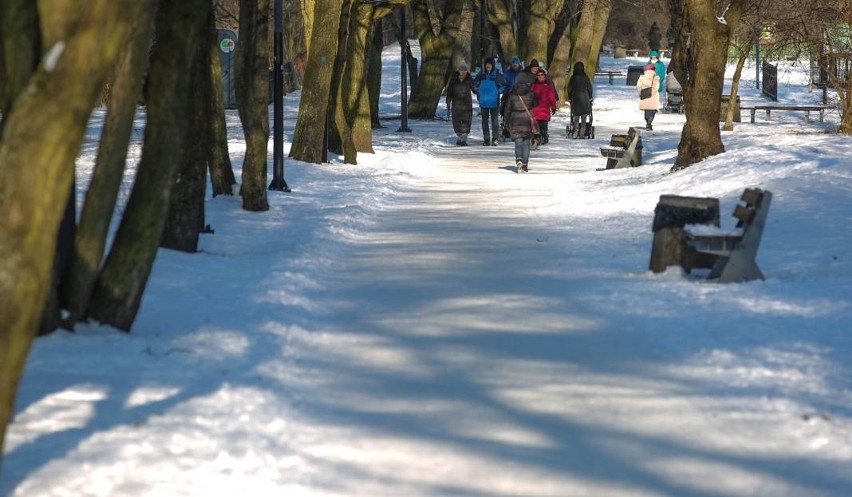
(522, 150)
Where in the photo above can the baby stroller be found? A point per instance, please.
(577, 129)
(674, 94)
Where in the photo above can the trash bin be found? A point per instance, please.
(669, 247)
(633, 74)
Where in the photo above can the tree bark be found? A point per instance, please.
(253, 99)
(308, 142)
(435, 33)
(97, 213)
(118, 291)
(21, 49)
(41, 136)
(599, 23)
(705, 60)
(185, 220)
(735, 85)
(374, 73)
(222, 177)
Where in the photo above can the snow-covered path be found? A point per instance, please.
(431, 324)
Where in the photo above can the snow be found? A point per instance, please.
(429, 323)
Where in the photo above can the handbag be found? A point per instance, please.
(533, 123)
(645, 93)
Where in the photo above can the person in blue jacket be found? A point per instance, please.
(659, 68)
(488, 86)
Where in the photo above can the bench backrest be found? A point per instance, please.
(751, 214)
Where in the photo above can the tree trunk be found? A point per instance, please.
(435, 55)
(503, 19)
(352, 117)
(222, 177)
(185, 220)
(118, 291)
(21, 50)
(374, 73)
(41, 136)
(542, 19)
(97, 213)
(308, 142)
(735, 87)
(560, 58)
(706, 59)
(339, 133)
(583, 34)
(253, 99)
(602, 11)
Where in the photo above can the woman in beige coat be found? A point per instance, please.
(650, 104)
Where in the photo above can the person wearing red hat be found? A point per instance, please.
(649, 94)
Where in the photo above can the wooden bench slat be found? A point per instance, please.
(752, 196)
(744, 214)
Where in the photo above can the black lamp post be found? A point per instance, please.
(278, 182)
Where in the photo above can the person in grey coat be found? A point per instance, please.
(580, 95)
(519, 107)
(460, 102)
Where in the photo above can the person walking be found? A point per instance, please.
(460, 102)
(659, 68)
(580, 94)
(546, 97)
(529, 73)
(511, 77)
(649, 94)
(488, 85)
(521, 122)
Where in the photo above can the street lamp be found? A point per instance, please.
(278, 182)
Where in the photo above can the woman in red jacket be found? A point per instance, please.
(546, 97)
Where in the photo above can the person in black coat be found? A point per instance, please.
(519, 119)
(460, 102)
(580, 95)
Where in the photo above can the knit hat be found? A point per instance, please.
(534, 63)
(463, 66)
(654, 53)
(489, 60)
(650, 67)
(516, 60)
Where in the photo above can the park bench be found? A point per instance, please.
(734, 253)
(807, 109)
(610, 74)
(623, 150)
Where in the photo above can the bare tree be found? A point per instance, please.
(699, 64)
(90, 238)
(40, 139)
(119, 288)
(322, 20)
(253, 99)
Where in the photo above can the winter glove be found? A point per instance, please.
(553, 111)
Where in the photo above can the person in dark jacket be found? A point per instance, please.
(519, 118)
(511, 76)
(460, 102)
(580, 95)
(528, 75)
(488, 85)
